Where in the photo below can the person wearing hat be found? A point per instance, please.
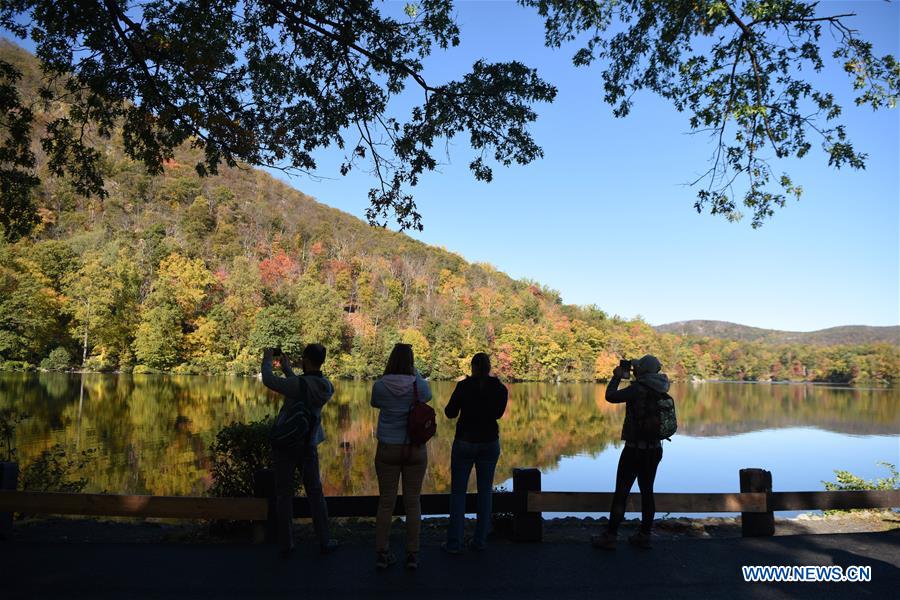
(640, 457)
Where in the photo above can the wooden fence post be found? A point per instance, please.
(264, 487)
(9, 477)
(527, 526)
(757, 524)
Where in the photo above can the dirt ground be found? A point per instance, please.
(357, 530)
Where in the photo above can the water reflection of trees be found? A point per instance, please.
(151, 433)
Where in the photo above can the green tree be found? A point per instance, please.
(91, 297)
(59, 359)
(278, 326)
(29, 308)
(159, 337)
(236, 314)
(320, 314)
(203, 346)
(101, 297)
(197, 224)
(421, 349)
(184, 282)
(179, 191)
(519, 344)
(56, 259)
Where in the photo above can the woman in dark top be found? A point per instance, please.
(479, 401)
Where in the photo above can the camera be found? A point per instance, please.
(625, 365)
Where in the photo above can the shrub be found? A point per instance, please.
(241, 449)
(245, 363)
(126, 361)
(848, 481)
(211, 364)
(58, 360)
(100, 362)
(16, 365)
(144, 370)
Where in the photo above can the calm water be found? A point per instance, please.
(151, 433)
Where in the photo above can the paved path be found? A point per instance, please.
(699, 568)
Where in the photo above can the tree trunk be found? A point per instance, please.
(87, 321)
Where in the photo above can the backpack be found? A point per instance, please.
(421, 424)
(655, 416)
(293, 427)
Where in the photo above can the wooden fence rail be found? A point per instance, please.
(111, 505)
(250, 509)
(525, 503)
(834, 500)
(753, 502)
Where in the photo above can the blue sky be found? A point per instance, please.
(606, 218)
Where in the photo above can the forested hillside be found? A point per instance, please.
(846, 334)
(188, 274)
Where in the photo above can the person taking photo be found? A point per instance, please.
(315, 390)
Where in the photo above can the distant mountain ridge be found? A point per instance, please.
(843, 335)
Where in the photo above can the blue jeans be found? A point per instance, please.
(484, 456)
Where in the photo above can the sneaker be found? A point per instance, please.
(384, 559)
(604, 541)
(449, 550)
(640, 539)
(412, 561)
(329, 546)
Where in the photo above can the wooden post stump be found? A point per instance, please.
(264, 487)
(9, 477)
(757, 524)
(527, 526)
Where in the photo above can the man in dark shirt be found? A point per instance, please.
(313, 388)
(641, 456)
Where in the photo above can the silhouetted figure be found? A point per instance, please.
(479, 401)
(315, 390)
(396, 458)
(640, 457)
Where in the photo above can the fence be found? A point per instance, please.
(526, 503)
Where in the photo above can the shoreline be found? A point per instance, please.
(866, 385)
(356, 530)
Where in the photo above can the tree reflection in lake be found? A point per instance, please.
(151, 432)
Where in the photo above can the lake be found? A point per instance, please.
(150, 433)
